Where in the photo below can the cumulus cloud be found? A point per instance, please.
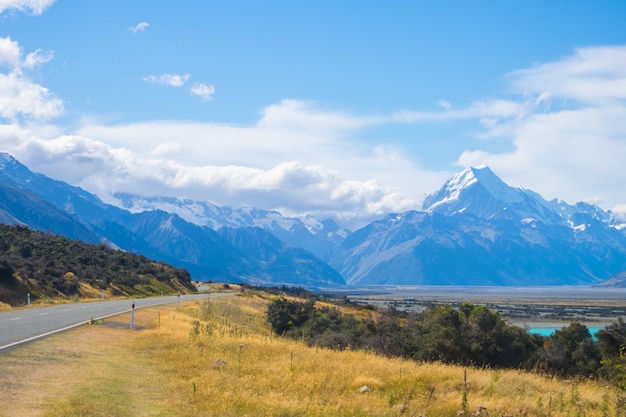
(140, 27)
(34, 7)
(292, 187)
(10, 53)
(19, 96)
(574, 147)
(260, 165)
(203, 91)
(173, 80)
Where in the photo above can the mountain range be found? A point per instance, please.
(475, 230)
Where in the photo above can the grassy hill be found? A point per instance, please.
(50, 266)
(220, 358)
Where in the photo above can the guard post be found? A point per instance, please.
(132, 316)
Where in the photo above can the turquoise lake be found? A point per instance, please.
(548, 331)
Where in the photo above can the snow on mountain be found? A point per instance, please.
(204, 213)
(480, 192)
(305, 231)
(456, 187)
(477, 230)
(41, 203)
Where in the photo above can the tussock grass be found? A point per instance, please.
(220, 359)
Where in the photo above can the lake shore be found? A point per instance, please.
(552, 324)
(526, 307)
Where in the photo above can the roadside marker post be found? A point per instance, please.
(132, 316)
(28, 296)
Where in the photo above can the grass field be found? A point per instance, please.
(220, 359)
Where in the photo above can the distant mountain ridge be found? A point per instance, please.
(475, 230)
(53, 206)
(306, 232)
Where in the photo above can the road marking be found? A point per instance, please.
(43, 314)
(216, 295)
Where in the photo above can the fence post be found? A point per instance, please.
(132, 316)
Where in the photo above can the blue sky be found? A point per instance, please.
(342, 109)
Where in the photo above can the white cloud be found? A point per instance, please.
(173, 80)
(37, 58)
(140, 27)
(10, 53)
(570, 142)
(203, 91)
(590, 75)
(19, 96)
(11, 56)
(478, 109)
(292, 187)
(30, 6)
(232, 165)
(303, 116)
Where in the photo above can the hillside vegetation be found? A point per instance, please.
(48, 266)
(220, 358)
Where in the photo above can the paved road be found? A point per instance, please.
(22, 326)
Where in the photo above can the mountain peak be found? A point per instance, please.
(457, 192)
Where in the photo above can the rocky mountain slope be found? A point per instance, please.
(44, 204)
(475, 230)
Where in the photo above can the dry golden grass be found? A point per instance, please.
(226, 363)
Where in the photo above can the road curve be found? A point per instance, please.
(21, 326)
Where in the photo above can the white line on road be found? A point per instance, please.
(43, 314)
(150, 304)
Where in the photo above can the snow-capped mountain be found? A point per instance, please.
(480, 192)
(318, 237)
(477, 230)
(44, 204)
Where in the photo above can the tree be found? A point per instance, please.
(284, 315)
(6, 273)
(612, 345)
(572, 351)
(612, 339)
